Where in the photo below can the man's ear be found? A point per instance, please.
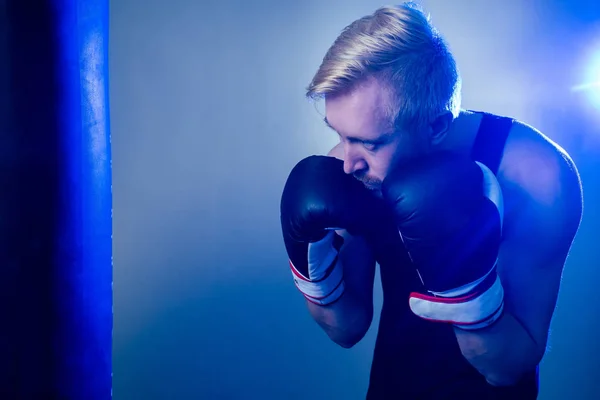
(439, 128)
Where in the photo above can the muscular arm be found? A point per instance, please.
(347, 320)
(530, 267)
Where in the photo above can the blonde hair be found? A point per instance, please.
(399, 47)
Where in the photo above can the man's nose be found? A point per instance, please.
(353, 163)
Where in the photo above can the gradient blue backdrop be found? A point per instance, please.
(208, 117)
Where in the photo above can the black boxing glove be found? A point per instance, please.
(319, 198)
(449, 212)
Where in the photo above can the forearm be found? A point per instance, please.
(503, 352)
(346, 321)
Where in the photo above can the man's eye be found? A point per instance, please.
(370, 146)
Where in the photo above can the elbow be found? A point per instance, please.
(516, 373)
(346, 344)
(346, 322)
(351, 339)
(499, 380)
(505, 379)
(347, 340)
(352, 334)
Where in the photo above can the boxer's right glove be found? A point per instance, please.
(318, 198)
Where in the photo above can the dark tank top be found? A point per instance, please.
(418, 359)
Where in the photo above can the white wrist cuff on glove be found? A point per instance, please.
(326, 281)
(473, 306)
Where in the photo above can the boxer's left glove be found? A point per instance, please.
(449, 212)
(318, 198)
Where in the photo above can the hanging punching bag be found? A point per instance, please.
(56, 205)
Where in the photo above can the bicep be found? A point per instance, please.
(531, 262)
(531, 289)
(544, 205)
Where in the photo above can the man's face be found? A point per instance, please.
(371, 147)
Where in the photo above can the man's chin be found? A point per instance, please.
(375, 188)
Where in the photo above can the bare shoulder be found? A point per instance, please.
(539, 167)
(542, 184)
(337, 151)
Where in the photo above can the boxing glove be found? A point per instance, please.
(449, 212)
(319, 198)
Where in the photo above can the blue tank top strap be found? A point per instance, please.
(491, 139)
